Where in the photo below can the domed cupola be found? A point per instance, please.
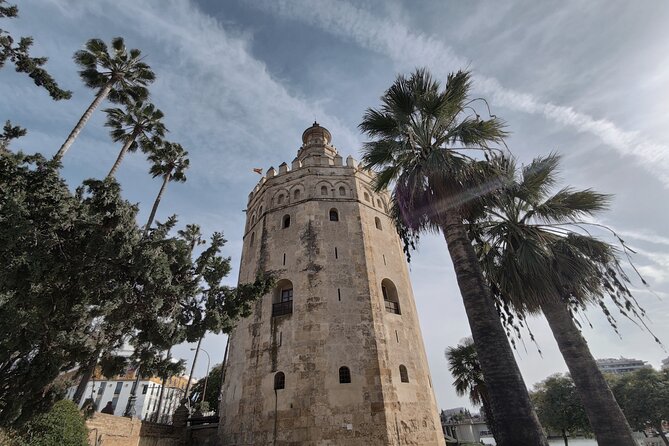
(316, 142)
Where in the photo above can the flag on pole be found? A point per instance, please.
(258, 171)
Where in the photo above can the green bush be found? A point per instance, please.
(63, 425)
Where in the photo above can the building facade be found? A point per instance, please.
(618, 366)
(334, 354)
(117, 391)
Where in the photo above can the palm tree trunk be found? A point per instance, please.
(122, 153)
(606, 419)
(516, 423)
(166, 180)
(564, 436)
(101, 96)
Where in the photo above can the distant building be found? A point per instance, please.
(665, 364)
(621, 365)
(459, 424)
(117, 390)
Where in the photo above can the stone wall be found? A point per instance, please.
(122, 431)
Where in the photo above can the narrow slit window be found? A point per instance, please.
(344, 375)
(336, 254)
(404, 375)
(285, 222)
(339, 294)
(377, 222)
(284, 259)
(279, 381)
(253, 236)
(384, 259)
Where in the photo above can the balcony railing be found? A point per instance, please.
(282, 308)
(392, 307)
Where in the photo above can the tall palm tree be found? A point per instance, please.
(464, 365)
(139, 125)
(120, 76)
(170, 162)
(537, 262)
(422, 137)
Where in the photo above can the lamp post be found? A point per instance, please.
(206, 377)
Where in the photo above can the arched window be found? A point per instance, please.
(296, 194)
(282, 300)
(377, 222)
(390, 298)
(280, 199)
(366, 196)
(260, 212)
(342, 191)
(253, 236)
(285, 222)
(378, 202)
(334, 215)
(279, 381)
(404, 375)
(324, 190)
(344, 375)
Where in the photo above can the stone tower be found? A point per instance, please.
(334, 355)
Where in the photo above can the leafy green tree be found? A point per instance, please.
(19, 55)
(536, 261)
(10, 132)
(643, 396)
(423, 136)
(119, 75)
(140, 125)
(170, 162)
(211, 393)
(63, 425)
(559, 406)
(464, 365)
(80, 279)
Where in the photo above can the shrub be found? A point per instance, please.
(63, 425)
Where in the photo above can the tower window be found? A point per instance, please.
(282, 301)
(279, 381)
(344, 375)
(324, 190)
(390, 297)
(366, 196)
(334, 215)
(260, 212)
(378, 202)
(296, 194)
(280, 199)
(253, 236)
(404, 375)
(342, 191)
(286, 221)
(377, 222)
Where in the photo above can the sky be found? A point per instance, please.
(239, 81)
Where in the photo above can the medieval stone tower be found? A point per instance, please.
(334, 355)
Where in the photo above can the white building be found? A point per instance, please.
(621, 365)
(118, 391)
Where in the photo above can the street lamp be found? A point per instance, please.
(206, 377)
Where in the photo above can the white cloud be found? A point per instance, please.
(408, 49)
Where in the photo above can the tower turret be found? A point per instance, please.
(334, 354)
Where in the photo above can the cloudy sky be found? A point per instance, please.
(239, 80)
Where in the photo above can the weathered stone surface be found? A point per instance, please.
(338, 317)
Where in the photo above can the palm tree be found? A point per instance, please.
(120, 76)
(422, 138)
(536, 262)
(138, 126)
(464, 365)
(170, 162)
